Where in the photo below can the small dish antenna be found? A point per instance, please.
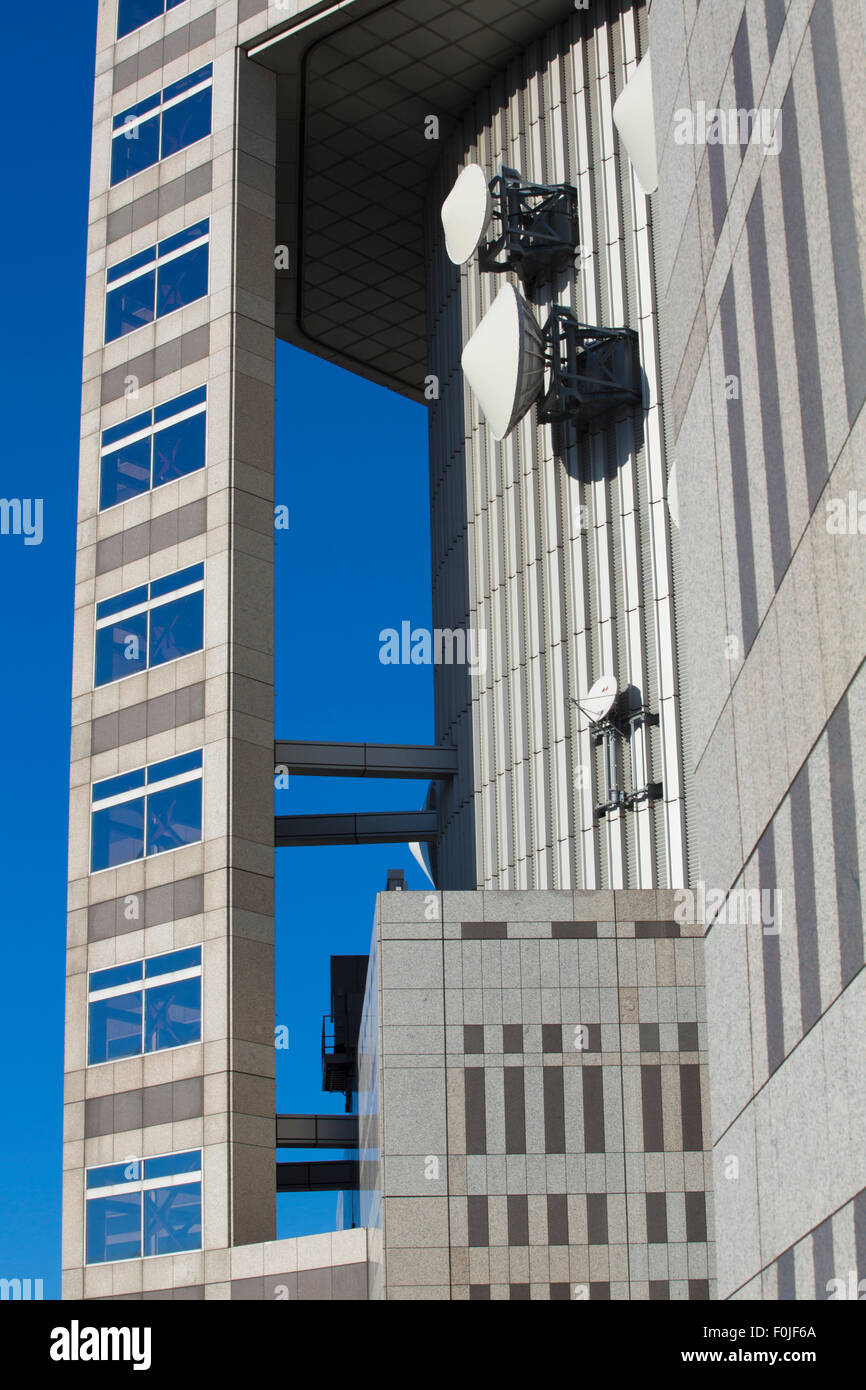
(609, 721)
(536, 231)
(466, 214)
(597, 705)
(591, 370)
(503, 361)
(599, 700)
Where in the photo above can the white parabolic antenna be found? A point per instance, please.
(598, 701)
(466, 213)
(504, 361)
(633, 118)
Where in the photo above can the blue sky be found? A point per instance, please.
(354, 560)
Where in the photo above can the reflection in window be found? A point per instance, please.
(157, 281)
(172, 1219)
(148, 1206)
(153, 448)
(144, 1006)
(161, 125)
(150, 625)
(150, 810)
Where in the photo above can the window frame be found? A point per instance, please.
(150, 262)
(146, 607)
(155, 111)
(140, 1185)
(143, 791)
(141, 985)
(150, 432)
(167, 7)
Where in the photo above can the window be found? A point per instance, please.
(161, 125)
(157, 281)
(149, 1206)
(150, 625)
(144, 1006)
(131, 14)
(151, 810)
(153, 448)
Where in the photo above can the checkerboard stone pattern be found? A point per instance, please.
(533, 1098)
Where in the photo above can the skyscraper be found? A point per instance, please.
(641, 408)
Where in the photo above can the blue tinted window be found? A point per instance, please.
(182, 281)
(130, 306)
(120, 432)
(150, 106)
(114, 1227)
(160, 1013)
(137, 262)
(173, 1014)
(125, 473)
(131, 14)
(153, 292)
(174, 817)
(114, 1173)
(121, 602)
(134, 148)
(188, 401)
(186, 122)
(178, 449)
(172, 814)
(167, 1165)
(159, 632)
(134, 425)
(161, 125)
(184, 84)
(175, 960)
(118, 834)
(140, 1221)
(115, 1027)
(172, 1219)
(121, 649)
(166, 448)
(180, 239)
(115, 786)
(179, 580)
(176, 628)
(117, 975)
(173, 767)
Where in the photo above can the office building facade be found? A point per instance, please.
(535, 1113)
(760, 253)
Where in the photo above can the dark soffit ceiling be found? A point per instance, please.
(355, 89)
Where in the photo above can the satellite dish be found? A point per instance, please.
(633, 118)
(419, 854)
(599, 699)
(466, 213)
(504, 361)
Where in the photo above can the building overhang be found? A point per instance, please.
(359, 84)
